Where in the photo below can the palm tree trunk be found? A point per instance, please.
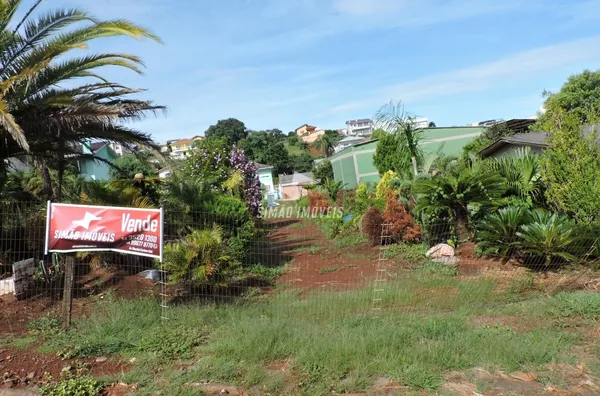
(47, 181)
(461, 222)
(414, 164)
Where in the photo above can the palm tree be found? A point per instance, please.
(326, 144)
(42, 113)
(392, 118)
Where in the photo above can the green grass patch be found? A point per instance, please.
(410, 252)
(354, 239)
(18, 342)
(328, 270)
(265, 272)
(331, 340)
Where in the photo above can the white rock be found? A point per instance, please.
(440, 250)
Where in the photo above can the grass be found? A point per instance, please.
(409, 252)
(333, 340)
(328, 270)
(354, 239)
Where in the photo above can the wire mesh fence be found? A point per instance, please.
(299, 263)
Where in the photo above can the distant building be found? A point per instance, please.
(292, 186)
(119, 149)
(95, 169)
(349, 141)
(362, 127)
(265, 177)
(309, 133)
(180, 148)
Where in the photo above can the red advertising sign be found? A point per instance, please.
(74, 228)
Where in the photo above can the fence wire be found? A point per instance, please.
(302, 265)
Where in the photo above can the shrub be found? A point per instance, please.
(318, 202)
(402, 226)
(497, 235)
(547, 239)
(302, 202)
(70, 386)
(371, 225)
(200, 257)
(385, 183)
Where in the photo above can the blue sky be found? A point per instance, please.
(283, 63)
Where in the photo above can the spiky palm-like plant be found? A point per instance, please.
(548, 238)
(200, 257)
(42, 112)
(456, 194)
(497, 234)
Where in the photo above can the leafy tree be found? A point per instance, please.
(580, 96)
(43, 109)
(301, 162)
(431, 124)
(572, 167)
(294, 140)
(407, 137)
(489, 136)
(378, 134)
(209, 162)
(277, 156)
(231, 129)
(127, 166)
(323, 171)
(386, 154)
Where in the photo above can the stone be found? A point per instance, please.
(447, 260)
(101, 359)
(17, 392)
(31, 375)
(66, 369)
(440, 250)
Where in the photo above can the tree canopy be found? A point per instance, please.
(580, 96)
(233, 130)
(127, 166)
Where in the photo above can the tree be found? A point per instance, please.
(572, 166)
(580, 96)
(301, 162)
(408, 137)
(43, 110)
(294, 139)
(323, 171)
(277, 156)
(231, 129)
(385, 157)
(378, 134)
(127, 166)
(489, 136)
(431, 124)
(326, 144)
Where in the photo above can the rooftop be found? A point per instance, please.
(297, 178)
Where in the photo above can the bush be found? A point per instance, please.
(201, 257)
(318, 202)
(371, 225)
(402, 226)
(302, 202)
(497, 232)
(346, 199)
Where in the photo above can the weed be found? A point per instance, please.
(327, 270)
(44, 326)
(70, 385)
(264, 272)
(521, 284)
(411, 252)
(298, 224)
(18, 343)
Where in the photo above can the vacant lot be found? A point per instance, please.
(438, 330)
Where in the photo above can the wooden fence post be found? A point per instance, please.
(68, 291)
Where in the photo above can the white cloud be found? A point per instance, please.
(507, 71)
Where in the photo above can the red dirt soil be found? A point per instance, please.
(326, 268)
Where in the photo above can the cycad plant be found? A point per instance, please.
(199, 258)
(460, 194)
(497, 234)
(547, 239)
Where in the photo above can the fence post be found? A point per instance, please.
(68, 291)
